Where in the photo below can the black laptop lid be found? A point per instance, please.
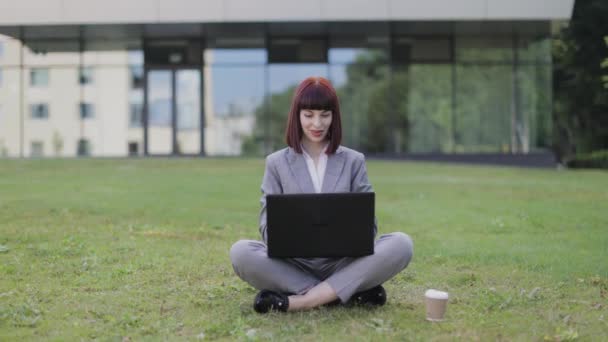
(320, 225)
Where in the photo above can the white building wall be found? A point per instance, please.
(34, 12)
(63, 123)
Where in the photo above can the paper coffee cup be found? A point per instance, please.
(436, 303)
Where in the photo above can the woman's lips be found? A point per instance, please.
(317, 133)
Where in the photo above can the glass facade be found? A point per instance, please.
(229, 93)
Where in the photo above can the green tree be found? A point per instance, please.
(580, 94)
(270, 121)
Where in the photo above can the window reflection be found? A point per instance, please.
(409, 100)
(476, 49)
(361, 79)
(188, 95)
(236, 111)
(484, 114)
(39, 77)
(135, 61)
(159, 112)
(535, 94)
(429, 109)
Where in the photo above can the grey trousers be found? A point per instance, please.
(346, 276)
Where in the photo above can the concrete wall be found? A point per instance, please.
(36, 12)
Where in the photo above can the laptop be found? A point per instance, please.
(320, 225)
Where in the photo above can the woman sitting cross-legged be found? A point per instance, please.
(313, 136)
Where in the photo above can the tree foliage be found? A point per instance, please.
(580, 82)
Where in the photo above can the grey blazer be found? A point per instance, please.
(287, 173)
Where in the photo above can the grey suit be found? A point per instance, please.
(286, 172)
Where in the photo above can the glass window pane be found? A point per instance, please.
(86, 111)
(135, 57)
(86, 75)
(235, 56)
(39, 111)
(534, 49)
(236, 111)
(39, 77)
(159, 112)
(534, 124)
(362, 87)
(484, 108)
(498, 48)
(188, 101)
(357, 55)
(362, 90)
(428, 119)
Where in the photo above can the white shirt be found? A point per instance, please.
(316, 173)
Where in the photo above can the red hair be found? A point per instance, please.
(314, 93)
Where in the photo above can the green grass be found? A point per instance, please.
(107, 249)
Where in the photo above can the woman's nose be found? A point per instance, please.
(316, 121)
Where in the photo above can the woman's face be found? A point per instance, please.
(315, 124)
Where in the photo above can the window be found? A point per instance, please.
(36, 149)
(84, 148)
(86, 110)
(86, 75)
(137, 77)
(39, 77)
(39, 111)
(133, 148)
(135, 115)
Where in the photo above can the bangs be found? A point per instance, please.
(315, 96)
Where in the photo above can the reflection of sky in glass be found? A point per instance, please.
(237, 90)
(337, 74)
(159, 97)
(282, 76)
(136, 57)
(188, 99)
(343, 55)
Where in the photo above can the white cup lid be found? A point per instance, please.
(431, 293)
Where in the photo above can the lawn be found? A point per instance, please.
(138, 249)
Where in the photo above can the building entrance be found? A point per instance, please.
(173, 121)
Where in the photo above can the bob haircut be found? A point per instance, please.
(314, 93)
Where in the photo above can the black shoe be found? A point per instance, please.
(376, 296)
(267, 300)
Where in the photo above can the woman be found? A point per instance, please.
(315, 162)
